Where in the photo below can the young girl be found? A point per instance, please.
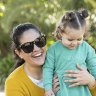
(69, 50)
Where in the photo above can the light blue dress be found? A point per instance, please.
(59, 59)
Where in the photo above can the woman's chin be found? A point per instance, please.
(39, 60)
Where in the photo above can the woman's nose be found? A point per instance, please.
(36, 48)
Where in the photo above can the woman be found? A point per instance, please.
(29, 48)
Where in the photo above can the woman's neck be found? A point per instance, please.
(34, 72)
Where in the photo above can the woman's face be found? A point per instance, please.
(37, 56)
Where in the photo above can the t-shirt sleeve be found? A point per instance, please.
(48, 69)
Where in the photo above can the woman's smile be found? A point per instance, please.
(37, 55)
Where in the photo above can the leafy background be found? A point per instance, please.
(45, 14)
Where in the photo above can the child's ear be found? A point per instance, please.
(62, 33)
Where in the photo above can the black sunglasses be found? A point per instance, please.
(28, 47)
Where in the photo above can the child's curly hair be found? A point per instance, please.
(72, 19)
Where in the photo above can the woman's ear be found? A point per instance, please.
(18, 53)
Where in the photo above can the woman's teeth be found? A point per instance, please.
(37, 55)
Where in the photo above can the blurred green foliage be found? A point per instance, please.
(45, 14)
(6, 64)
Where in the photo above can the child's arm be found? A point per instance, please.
(48, 69)
(91, 61)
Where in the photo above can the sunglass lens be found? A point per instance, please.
(41, 42)
(28, 47)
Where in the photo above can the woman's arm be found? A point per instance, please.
(12, 88)
(93, 90)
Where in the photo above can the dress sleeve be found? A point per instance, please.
(48, 69)
(91, 61)
(12, 88)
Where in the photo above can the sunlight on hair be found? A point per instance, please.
(78, 21)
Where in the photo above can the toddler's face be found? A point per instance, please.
(72, 37)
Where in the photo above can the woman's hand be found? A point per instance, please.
(56, 84)
(82, 77)
(49, 93)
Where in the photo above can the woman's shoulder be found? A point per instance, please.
(16, 74)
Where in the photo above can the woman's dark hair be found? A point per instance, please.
(72, 19)
(16, 35)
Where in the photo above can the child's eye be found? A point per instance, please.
(70, 39)
(79, 39)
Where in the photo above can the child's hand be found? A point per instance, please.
(49, 93)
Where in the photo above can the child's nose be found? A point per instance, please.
(74, 42)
